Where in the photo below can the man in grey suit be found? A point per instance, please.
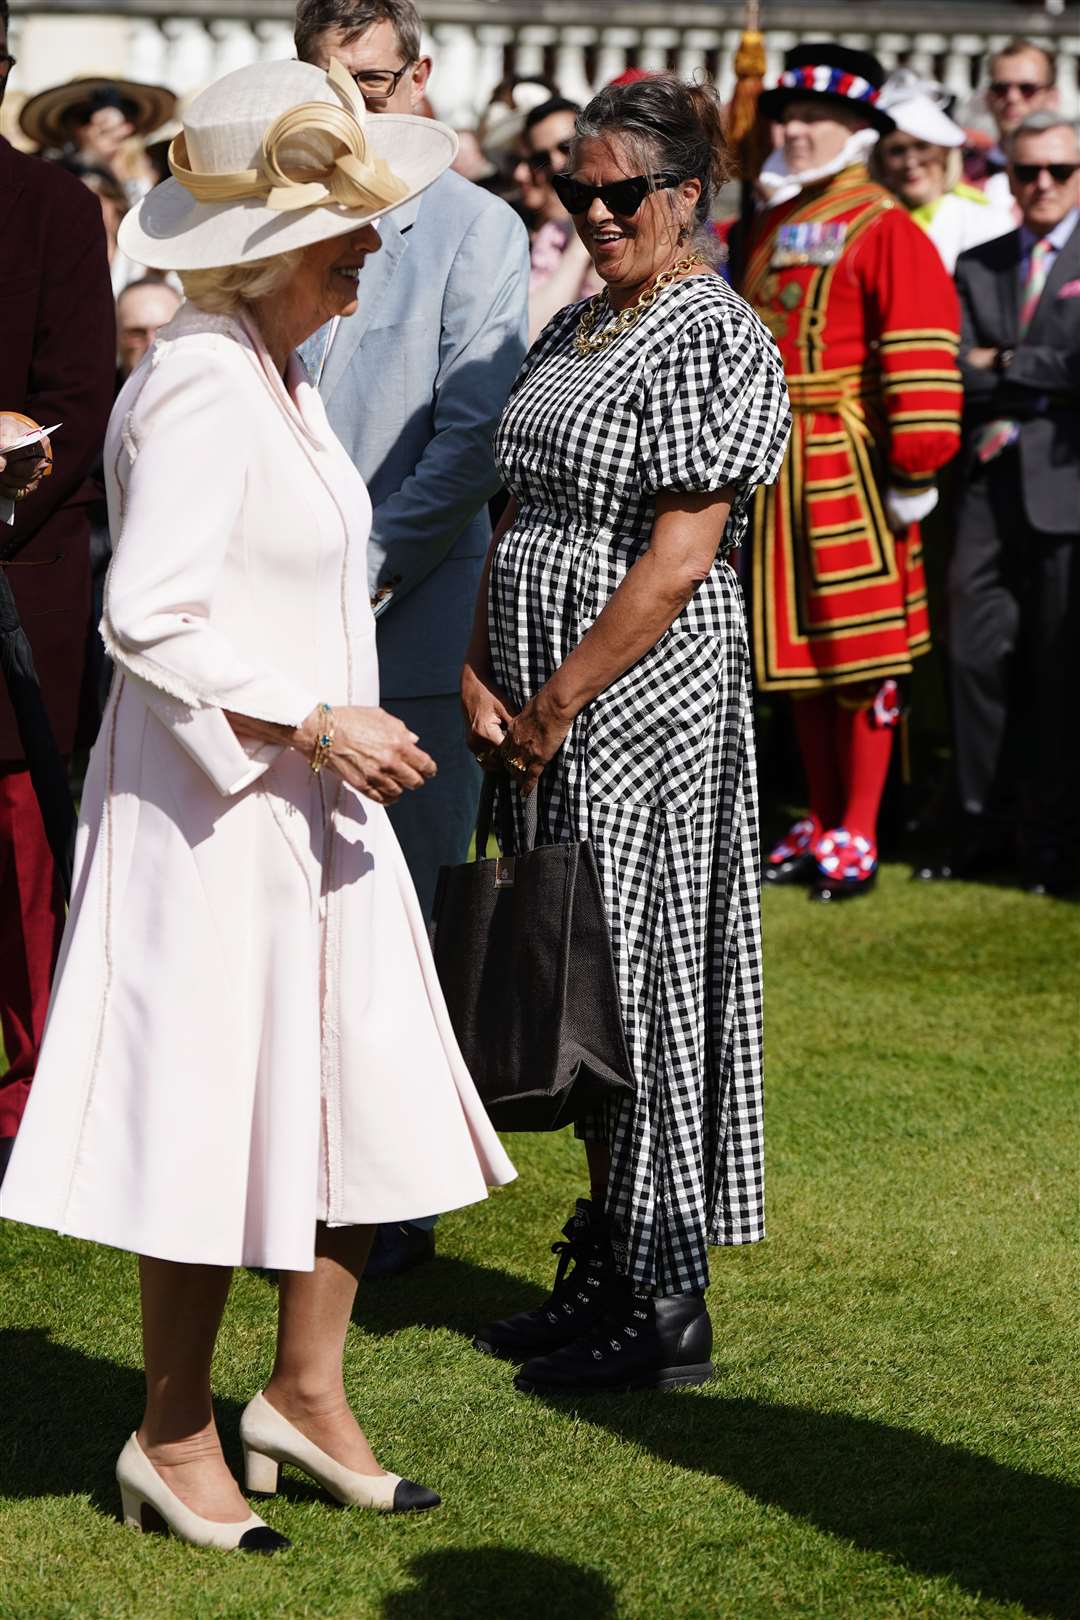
(414, 385)
(1014, 580)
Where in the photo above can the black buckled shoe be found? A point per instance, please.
(646, 1344)
(792, 859)
(584, 1280)
(825, 890)
(797, 869)
(397, 1247)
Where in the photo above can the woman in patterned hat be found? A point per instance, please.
(608, 673)
(247, 1059)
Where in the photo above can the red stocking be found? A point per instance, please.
(863, 749)
(816, 729)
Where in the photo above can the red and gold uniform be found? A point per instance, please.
(867, 323)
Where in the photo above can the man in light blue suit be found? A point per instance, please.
(414, 385)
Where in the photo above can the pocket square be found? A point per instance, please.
(1071, 289)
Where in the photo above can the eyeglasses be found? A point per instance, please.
(543, 162)
(1001, 88)
(1059, 172)
(623, 197)
(379, 84)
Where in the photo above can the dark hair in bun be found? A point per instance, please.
(674, 126)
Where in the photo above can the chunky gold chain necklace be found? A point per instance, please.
(585, 343)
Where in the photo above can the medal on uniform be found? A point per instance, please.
(792, 295)
(809, 243)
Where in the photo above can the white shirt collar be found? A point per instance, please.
(1057, 238)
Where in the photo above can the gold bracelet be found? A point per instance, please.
(324, 742)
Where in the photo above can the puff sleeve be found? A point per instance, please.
(716, 409)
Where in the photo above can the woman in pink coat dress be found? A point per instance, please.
(247, 1059)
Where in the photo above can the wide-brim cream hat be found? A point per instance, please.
(917, 106)
(274, 157)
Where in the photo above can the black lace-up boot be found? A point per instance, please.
(584, 1281)
(642, 1343)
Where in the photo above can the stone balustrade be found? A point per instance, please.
(580, 43)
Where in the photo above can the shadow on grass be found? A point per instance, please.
(998, 1532)
(444, 1293)
(459, 1585)
(66, 1415)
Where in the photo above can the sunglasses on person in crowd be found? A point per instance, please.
(543, 162)
(1001, 88)
(623, 197)
(1058, 172)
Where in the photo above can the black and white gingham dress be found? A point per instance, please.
(659, 770)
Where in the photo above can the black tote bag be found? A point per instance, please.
(524, 958)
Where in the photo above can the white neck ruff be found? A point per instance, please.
(777, 184)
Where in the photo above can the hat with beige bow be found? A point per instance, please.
(276, 156)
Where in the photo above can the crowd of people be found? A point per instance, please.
(346, 342)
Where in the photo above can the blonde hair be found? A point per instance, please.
(951, 156)
(222, 291)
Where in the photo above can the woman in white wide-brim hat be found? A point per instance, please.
(921, 164)
(248, 1060)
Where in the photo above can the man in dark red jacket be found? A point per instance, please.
(57, 364)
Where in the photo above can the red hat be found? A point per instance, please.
(632, 75)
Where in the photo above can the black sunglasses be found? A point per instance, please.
(542, 162)
(623, 197)
(1060, 172)
(1001, 87)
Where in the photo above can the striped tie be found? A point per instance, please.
(992, 439)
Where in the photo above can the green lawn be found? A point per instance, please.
(893, 1431)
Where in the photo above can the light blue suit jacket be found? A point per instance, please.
(414, 384)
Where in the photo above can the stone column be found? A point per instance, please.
(926, 48)
(611, 57)
(492, 41)
(962, 64)
(890, 49)
(149, 53)
(653, 53)
(570, 75)
(1068, 76)
(692, 48)
(235, 46)
(274, 41)
(190, 56)
(457, 67)
(529, 47)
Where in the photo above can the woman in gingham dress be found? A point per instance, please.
(608, 673)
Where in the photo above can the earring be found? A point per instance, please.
(684, 233)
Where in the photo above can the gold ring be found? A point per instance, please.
(516, 763)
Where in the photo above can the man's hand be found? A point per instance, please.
(372, 751)
(21, 471)
(981, 359)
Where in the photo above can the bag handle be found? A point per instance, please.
(485, 814)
